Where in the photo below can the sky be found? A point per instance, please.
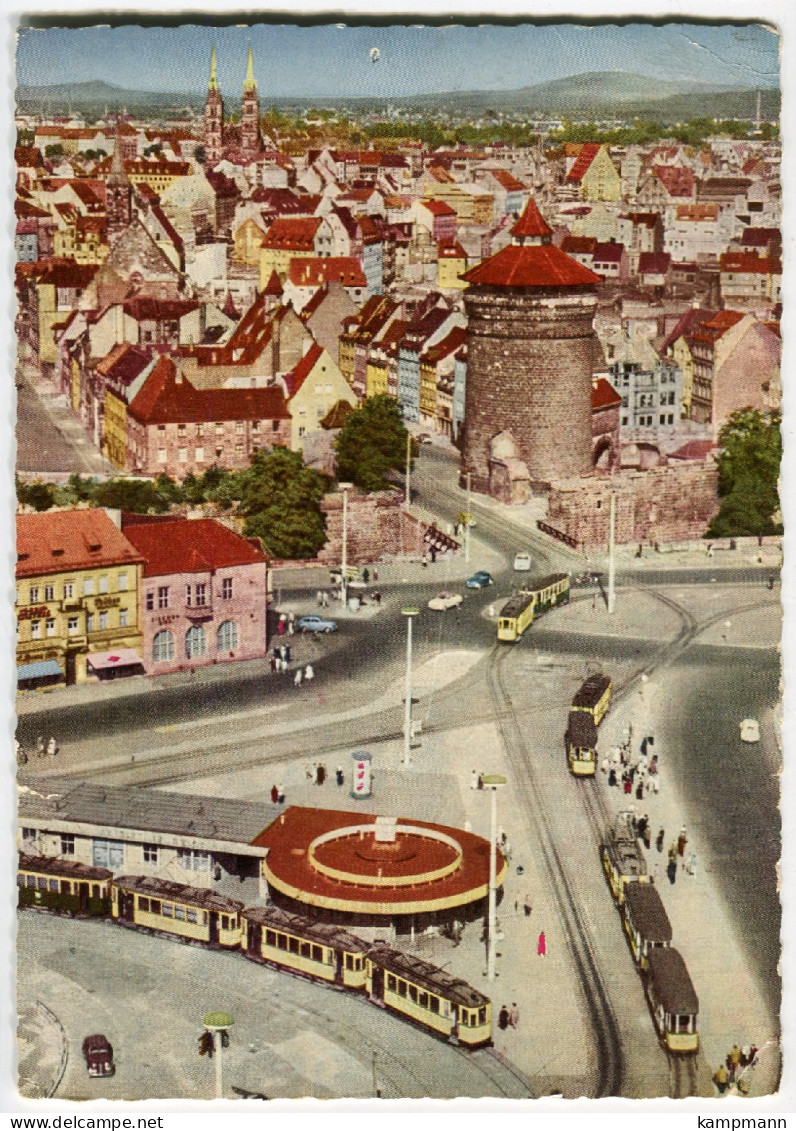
(334, 60)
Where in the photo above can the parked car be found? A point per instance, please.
(750, 730)
(445, 600)
(522, 563)
(479, 580)
(98, 1052)
(424, 438)
(313, 623)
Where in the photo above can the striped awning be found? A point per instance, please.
(40, 670)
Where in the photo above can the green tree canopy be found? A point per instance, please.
(40, 496)
(371, 444)
(281, 500)
(750, 453)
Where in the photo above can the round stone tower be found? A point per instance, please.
(530, 352)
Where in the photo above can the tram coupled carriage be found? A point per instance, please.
(63, 885)
(623, 859)
(580, 742)
(645, 921)
(673, 1000)
(428, 997)
(194, 914)
(291, 942)
(594, 697)
(534, 599)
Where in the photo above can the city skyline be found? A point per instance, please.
(412, 60)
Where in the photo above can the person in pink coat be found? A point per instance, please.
(541, 946)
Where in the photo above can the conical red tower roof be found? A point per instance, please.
(274, 287)
(532, 222)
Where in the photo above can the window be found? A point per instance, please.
(168, 911)
(34, 594)
(103, 621)
(226, 588)
(180, 429)
(192, 915)
(69, 590)
(67, 844)
(240, 427)
(255, 426)
(88, 586)
(422, 999)
(35, 629)
(89, 622)
(73, 626)
(163, 646)
(199, 455)
(227, 636)
(391, 982)
(28, 836)
(401, 988)
(143, 903)
(201, 594)
(183, 455)
(49, 592)
(219, 429)
(122, 582)
(107, 853)
(270, 938)
(195, 642)
(150, 853)
(150, 600)
(50, 626)
(179, 912)
(103, 583)
(154, 906)
(433, 1003)
(413, 994)
(161, 455)
(281, 942)
(306, 950)
(163, 596)
(122, 618)
(193, 860)
(293, 945)
(188, 598)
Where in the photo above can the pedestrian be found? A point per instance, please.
(612, 776)
(286, 653)
(526, 906)
(672, 853)
(283, 664)
(375, 575)
(733, 1060)
(682, 841)
(273, 663)
(692, 864)
(433, 554)
(425, 561)
(644, 745)
(721, 1079)
(274, 794)
(309, 672)
(474, 779)
(291, 624)
(653, 766)
(339, 776)
(604, 766)
(503, 1018)
(377, 598)
(52, 747)
(320, 777)
(491, 610)
(280, 791)
(40, 746)
(320, 598)
(541, 946)
(627, 783)
(366, 575)
(282, 624)
(671, 871)
(514, 1015)
(646, 836)
(640, 789)
(297, 678)
(481, 780)
(659, 841)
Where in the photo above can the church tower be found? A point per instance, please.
(214, 118)
(250, 141)
(118, 194)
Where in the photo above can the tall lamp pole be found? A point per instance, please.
(611, 561)
(410, 612)
(345, 488)
(467, 519)
(408, 469)
(218, 1023)
(492, 782)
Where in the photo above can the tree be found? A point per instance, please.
(200, 155)
(281, 500)
(52, 151)
(40, 496)
(371, 444)
(750, 452)
(137, 495)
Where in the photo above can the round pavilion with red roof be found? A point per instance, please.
(531, 353)
(361, 868)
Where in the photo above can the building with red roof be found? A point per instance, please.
(750, 281)
(606, 406)
(203, 593)
(593, 172)
(306, 276)
(293, 237)
(174, 428)
(78, 580)
(314, 386)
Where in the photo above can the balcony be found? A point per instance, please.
(199, 612)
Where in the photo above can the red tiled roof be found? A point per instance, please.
(696, 212)
(715, 327)
(689, 321)
(588, 152)
(68, 273)
(27, 211)
(507, 180)
(167, 397)
(298, 375)
(441, 174)
(315, 271)
(28, 157)
(274, 286)
(610, 252)
(756, 237)
(603, 395)
(532, 265)
(749, 263)
(677, 180)
(438, 207)
(579, 245)
(654, 262)
(532, 222)
(123, 363)
(450, 249)
(292, 233)
(193, 546)
(694, 450)
(393, 335)
(64, 541)
(453, 341)
(145, 309)
(645, 219)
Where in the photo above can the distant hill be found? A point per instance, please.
(594, 95)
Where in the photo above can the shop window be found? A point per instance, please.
(195, 642)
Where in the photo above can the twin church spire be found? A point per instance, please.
(249, 144)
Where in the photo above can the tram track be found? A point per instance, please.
(607, 1038)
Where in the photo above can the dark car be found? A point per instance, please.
(479, 580)
(98, 1052)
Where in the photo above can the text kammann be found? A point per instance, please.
(737, 1124)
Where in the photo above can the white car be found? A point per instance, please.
(750, 730)
(522, 563)
(445, 600)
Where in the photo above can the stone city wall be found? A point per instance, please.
(378, 528)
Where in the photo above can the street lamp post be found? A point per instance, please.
(345, 488)
(408, 469)
(409, 611)
(467, 518)
(492, 782)
(218, 1023)
(611, 557)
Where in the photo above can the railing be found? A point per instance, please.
(559, 535)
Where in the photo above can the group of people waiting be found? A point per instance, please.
(634, 772)
(734, 1070)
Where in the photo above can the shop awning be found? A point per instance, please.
(40, 670)
(121, 658)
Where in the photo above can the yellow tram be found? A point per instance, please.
(673, 1000)
(533, 600)
(645, 921)
(580, 741)
(315, 950)
(622, 857)
(63, 885)
(428, 997)
(192, 914)
(594, 697)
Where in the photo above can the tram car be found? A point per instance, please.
(197, 915)
(594, 697)
(580, 742)
(520, 610)
(290, 942)
(428, 997)
(623, 859)
(63, 885)
(645, 921)
(672, 999)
